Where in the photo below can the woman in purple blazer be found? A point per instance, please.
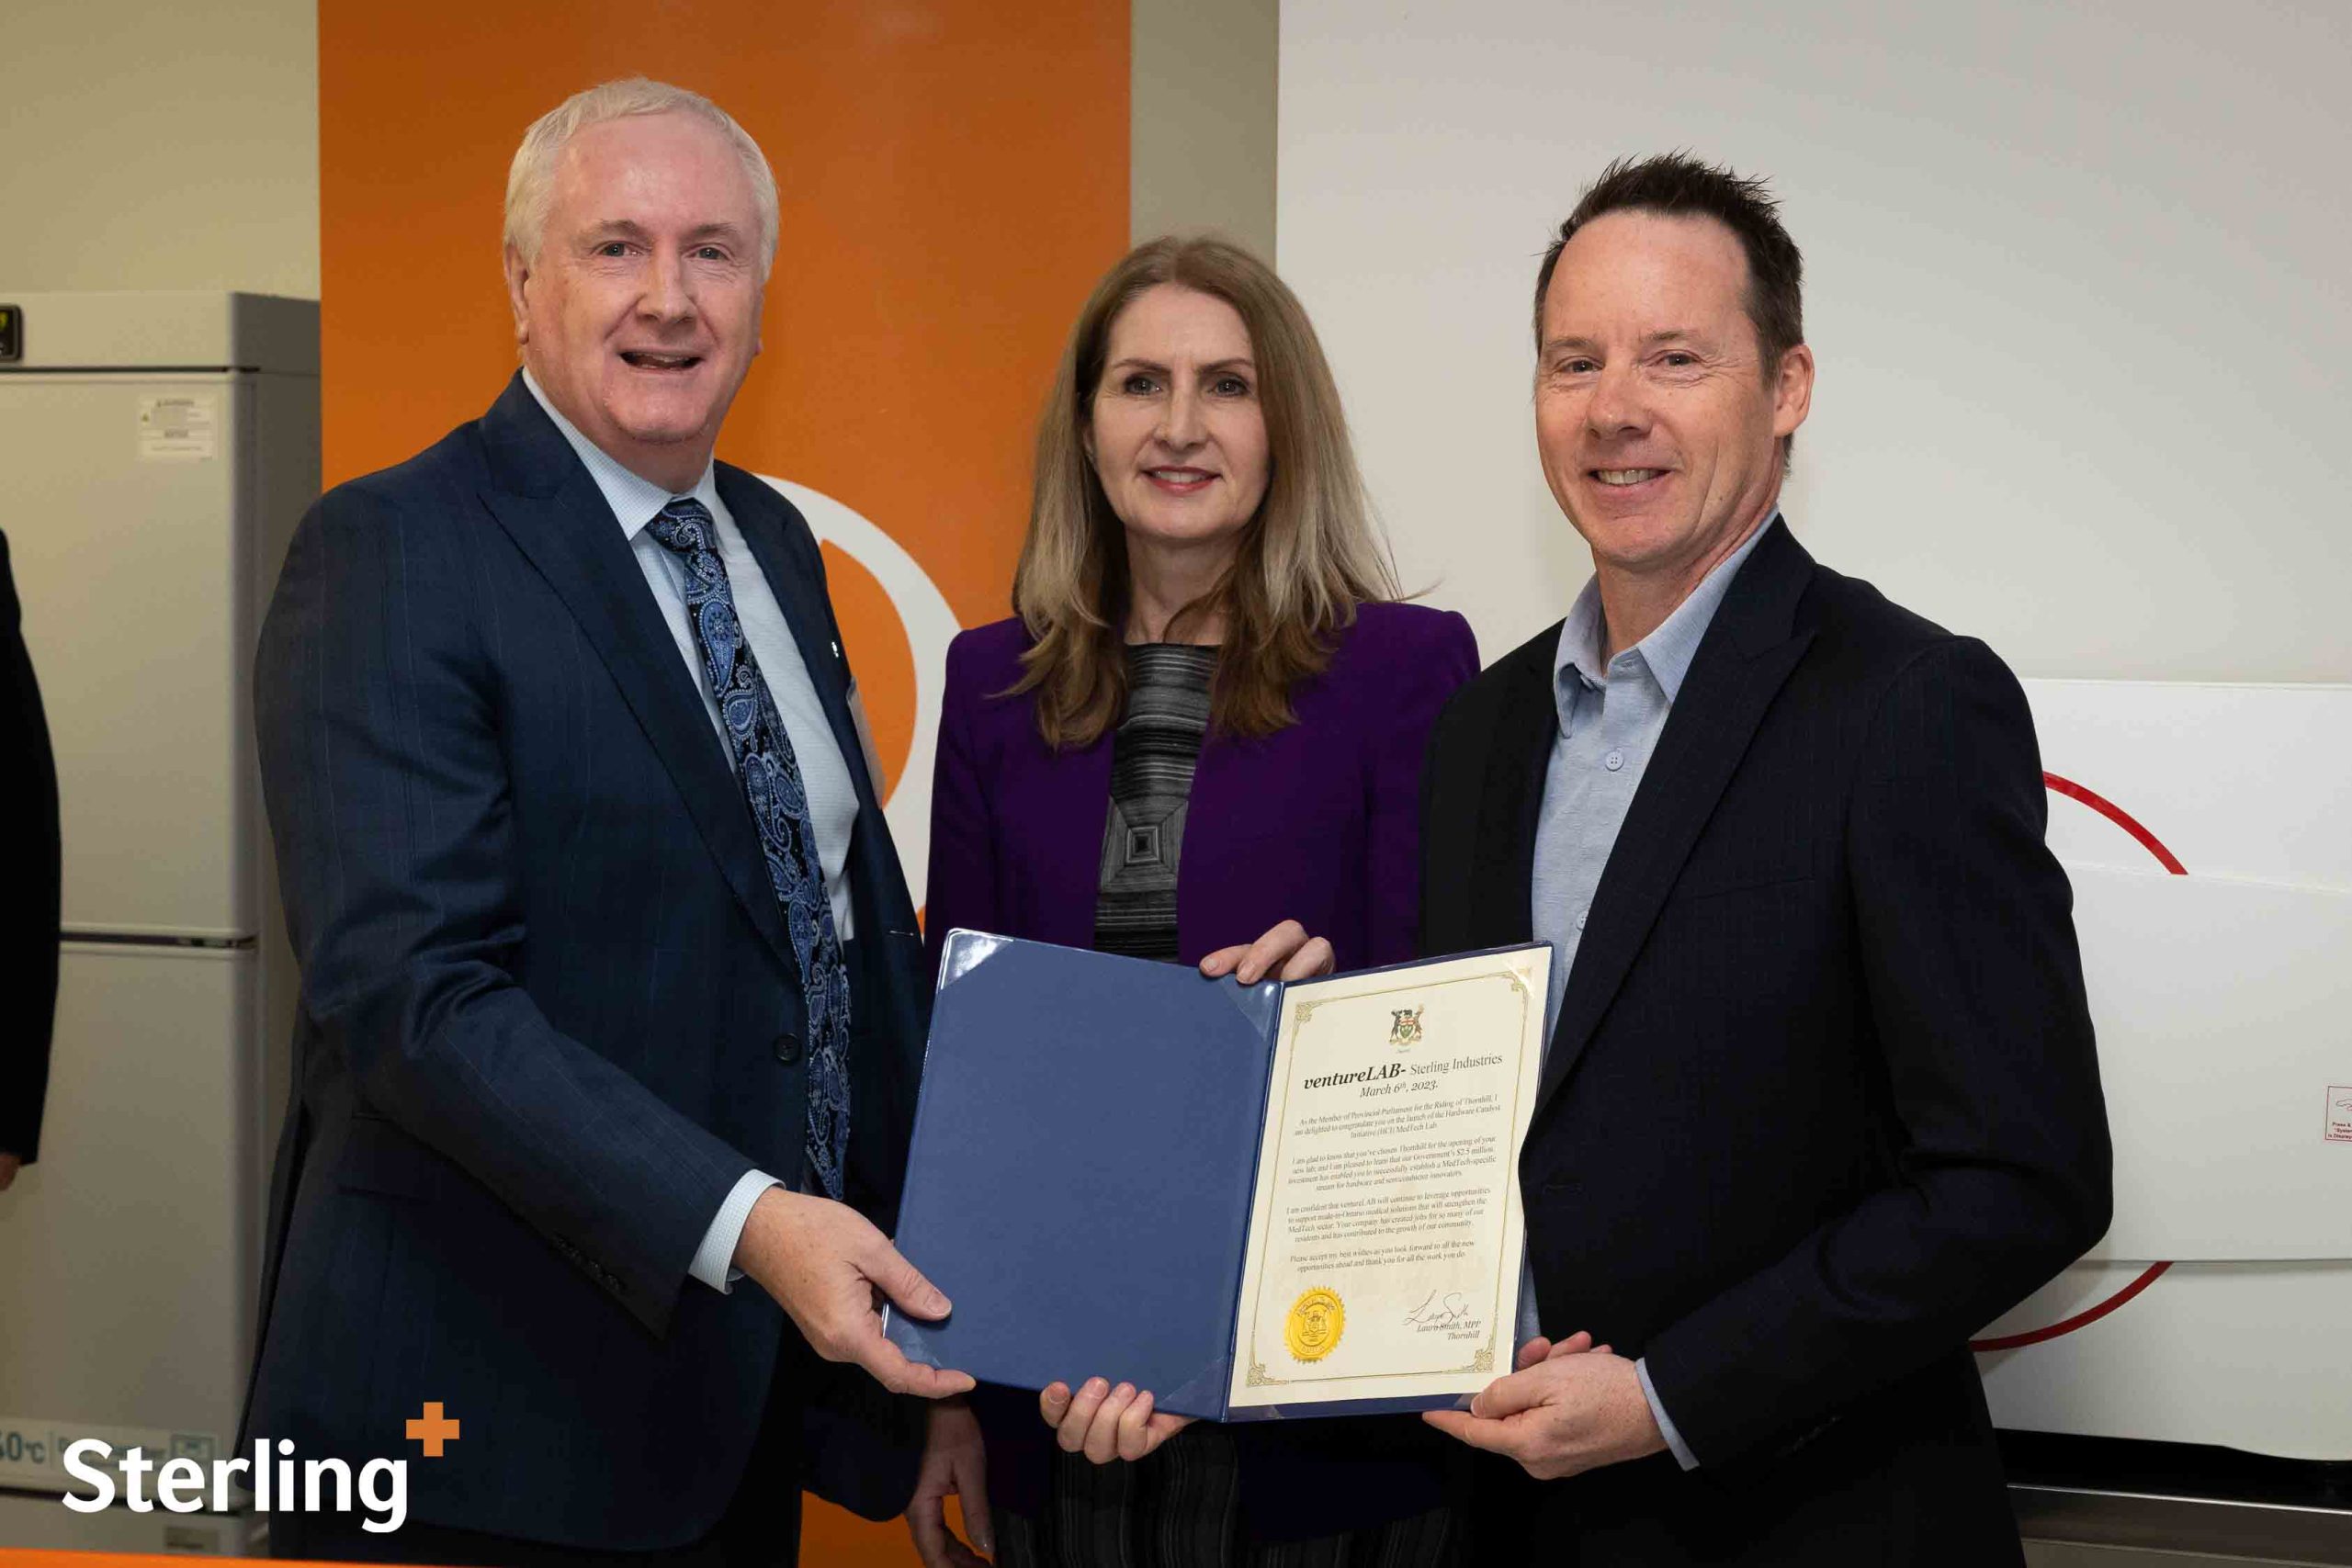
(1207, 718)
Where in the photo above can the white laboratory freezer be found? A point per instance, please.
(158, 450)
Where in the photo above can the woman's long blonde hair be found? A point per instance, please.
(1304, 561)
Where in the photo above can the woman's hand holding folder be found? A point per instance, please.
(1105, 1422)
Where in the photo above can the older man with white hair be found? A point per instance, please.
(611, 988)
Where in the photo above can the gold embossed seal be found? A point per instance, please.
(1315, 1322)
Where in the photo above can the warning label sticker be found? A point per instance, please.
(181, 428)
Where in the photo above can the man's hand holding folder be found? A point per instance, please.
(1299, 1191)
(826, 1266)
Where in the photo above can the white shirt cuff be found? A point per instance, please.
(1682, 1454)
(714, 1259)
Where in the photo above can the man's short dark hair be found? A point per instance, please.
(1679, 186)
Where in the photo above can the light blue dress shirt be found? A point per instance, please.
(832, 796)
(1612, 712)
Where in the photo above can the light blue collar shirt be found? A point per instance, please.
(636, 501)
(1611, 712)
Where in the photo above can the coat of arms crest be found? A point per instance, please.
(1407, 1029)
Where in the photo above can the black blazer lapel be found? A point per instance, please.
(550, 506)
(1742, 661)
(1502, 862)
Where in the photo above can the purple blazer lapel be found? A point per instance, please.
(1220, 781)
(1233, 870)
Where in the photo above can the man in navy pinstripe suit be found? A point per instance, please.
(612, 988)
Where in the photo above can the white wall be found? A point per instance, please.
(160, 144)
(2074, 280)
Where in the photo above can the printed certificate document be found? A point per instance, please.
(1257, 1201)
(1385, 1231)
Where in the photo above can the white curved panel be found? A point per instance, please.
(2245, 1356)
(2253, 782)
(2221, 1010)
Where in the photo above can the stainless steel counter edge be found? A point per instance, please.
(2278, 1531)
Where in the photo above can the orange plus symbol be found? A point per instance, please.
(433, 1429)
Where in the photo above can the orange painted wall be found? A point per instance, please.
(953, 177)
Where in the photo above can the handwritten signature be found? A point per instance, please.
(1434, 1314)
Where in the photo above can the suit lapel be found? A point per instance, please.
(1742, 661)
(767, 520)
(551, 508)
(1503, 853)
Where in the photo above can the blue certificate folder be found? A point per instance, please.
(1084, 1155)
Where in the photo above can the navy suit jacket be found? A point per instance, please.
(549, 1011)
(1821, 1100)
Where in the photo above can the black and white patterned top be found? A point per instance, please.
(1152, 755)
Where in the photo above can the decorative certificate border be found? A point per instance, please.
(1503, 1315)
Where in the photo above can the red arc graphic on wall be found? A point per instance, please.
(2148, 1276)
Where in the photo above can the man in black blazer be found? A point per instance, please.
(1820, 1097)
(600, 925)
(28, 916)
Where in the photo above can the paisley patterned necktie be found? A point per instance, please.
(771, 779)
